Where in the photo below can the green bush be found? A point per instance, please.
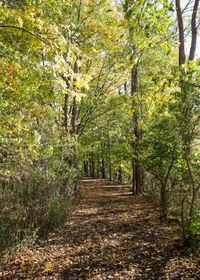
(33, 206)
(55, 213)
(194, 232)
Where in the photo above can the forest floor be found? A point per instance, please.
(110, 235)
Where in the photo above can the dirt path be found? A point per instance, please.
(111, 235)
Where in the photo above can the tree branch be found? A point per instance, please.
(26, 31)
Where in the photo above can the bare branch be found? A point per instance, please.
(187, 5)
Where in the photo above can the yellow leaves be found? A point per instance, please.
(118, 66)
(32, 10)
(94, 23)
(31, 262)
(61, 65)
(75, 93)
(39, 23)
(63, 46)
(85, 2)
(23, 265)
(173, 89)
(48, 267)
(71, 56)
(82, 81)
(20, 21)
(62, 43)
(128, 57)
(143, 45)
(79, 83)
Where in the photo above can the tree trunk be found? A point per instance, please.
(103, 171)
(98, 167)
(93, 168)
(164, 200)
(194, 31)
(76, 168)
(136, 132)
(120, 174)
(182, 56)
(74, 115)
(142, 181)
(85, 167)
(109, 159)
(133, 179)
(66, 111)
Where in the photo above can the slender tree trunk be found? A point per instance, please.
(79, 10)
(182, 56)
(109, 159)
(74, 116)
(164, 200)
(73, 133)
(133, 180)
(98, 167)
(76, 168)
(194, 31)
(66, 111)
(142, 180)
(136, 132)
(90, 167)
(85, 167)
(93, 167)
(103, 170)
(74, 111)
(138, 178)
(120, 174)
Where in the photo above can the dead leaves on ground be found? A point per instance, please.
(111, 235)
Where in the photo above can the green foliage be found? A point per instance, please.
(55, 213)
(195, 227)
(193, 234)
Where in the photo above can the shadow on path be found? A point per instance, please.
(112, 235)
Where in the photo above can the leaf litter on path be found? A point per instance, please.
(110, 235)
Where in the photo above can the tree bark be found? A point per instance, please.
(85, 167)
(98, 167)
(120, 174)
(79, 10)
(133, 179)
(103, 171)
(164, 200)
(66, 111)
(136, 132)
(74, 115)
(194, 31)
(93, 166)
(109, 159)
(182, 56)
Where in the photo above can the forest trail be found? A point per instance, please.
(111, 235)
